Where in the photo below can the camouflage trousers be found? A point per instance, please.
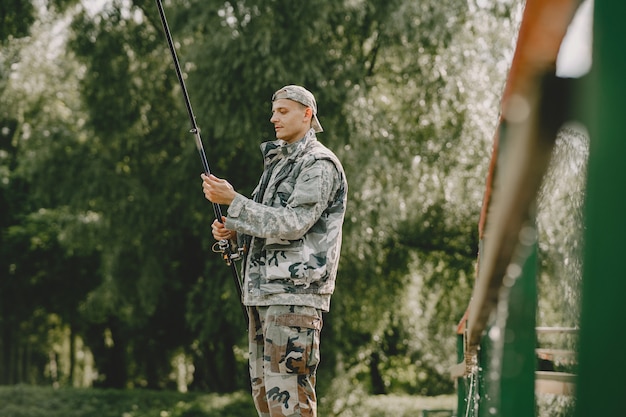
(284, 354)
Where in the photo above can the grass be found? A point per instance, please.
(29, 401)
(407, 406)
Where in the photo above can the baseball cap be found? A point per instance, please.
(302, 96)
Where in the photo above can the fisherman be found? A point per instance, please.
(290, 230)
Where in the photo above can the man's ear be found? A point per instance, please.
(308, 113)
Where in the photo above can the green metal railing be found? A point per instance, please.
(497, 338)
(601, 388)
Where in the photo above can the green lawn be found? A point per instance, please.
(27, 401)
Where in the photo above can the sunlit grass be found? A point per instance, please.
(28, 401)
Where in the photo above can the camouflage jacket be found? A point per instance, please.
(291, 228)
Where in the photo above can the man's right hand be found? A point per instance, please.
(220, 232)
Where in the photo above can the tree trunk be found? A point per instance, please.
(108, 347)
(70, 377)
(378, 385)
(215, 367)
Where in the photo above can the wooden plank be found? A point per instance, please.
(555, 376)
(555, 352)
(458, 371)
(554, 387)
(570, 330)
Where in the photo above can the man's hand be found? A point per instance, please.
(222, 233)
(217, 190)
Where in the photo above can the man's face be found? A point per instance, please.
(291, 119)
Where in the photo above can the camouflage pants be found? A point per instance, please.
(284, 354)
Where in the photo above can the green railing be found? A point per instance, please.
(602, 386)
(497, 338)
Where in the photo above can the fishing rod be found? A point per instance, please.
(223, 246)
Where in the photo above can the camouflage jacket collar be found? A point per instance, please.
(280, 149)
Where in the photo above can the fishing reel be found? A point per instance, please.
(224, 248)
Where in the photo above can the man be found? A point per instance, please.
(291, 234)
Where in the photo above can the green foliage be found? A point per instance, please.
(560, 229)
(417, 161)
(551, 405)
(16, 16)
(102, 178)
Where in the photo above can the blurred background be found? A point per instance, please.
(107, 279)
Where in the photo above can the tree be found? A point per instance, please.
(16, 17)
(422, 140)
(399, 106)
(37, 264)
